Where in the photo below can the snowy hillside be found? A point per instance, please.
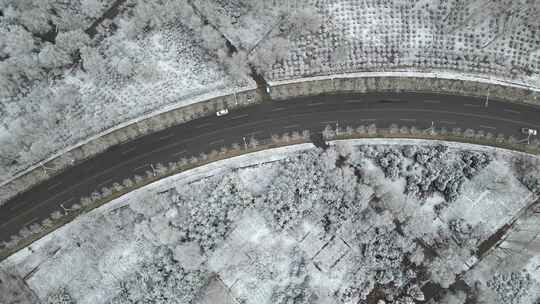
(355, 223)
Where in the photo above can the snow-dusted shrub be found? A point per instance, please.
(207, 212)
(475, 161)
(60, 296)
(297, 292)
(13, 289)
(390, 162)
(382, 253)
(161, 280)
(510, 287)
(461, 229)
(528, 171)
(458, 297)
(295, 190)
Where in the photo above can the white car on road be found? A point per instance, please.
(528, 131)
(222, 112)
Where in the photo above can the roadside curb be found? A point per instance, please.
(442, 83)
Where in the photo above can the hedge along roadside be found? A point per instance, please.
(144, 125)
(404, 82)
(99, 197)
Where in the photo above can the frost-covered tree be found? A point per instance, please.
(13, 289)
(454, 298)
(528, 171)
(381, 260)
(92, 8)
(511, 287)
(161, 280)
(475, 162)
(60, 296)
(390, 162)
(205, 215)
(304, 20)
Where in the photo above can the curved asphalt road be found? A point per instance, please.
(208, 133)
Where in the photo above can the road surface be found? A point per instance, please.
(260, 121)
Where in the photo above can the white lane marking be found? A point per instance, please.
(54, 186)
(487, 127)
(432, 101)
(353, 101)
(104, 182)
(448, 122)
(179, 153)
(254, 132)
(216, 142)
(368, 119)
(291, 126)
(140, 167)
(471, 105)
(166, 136)
(129, 150)
(512, 111)
(408, 119)
(28, 223)
(203, 125)
(315, 104)
(239, 116)
(68, 200)
(277, 109)
(17, 205)
(327, 122)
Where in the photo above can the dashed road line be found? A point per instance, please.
(216, 142)
(487, 127)
(368, 119)
(512, 111)
(432, 101)
(277, 109)
(28, 223)
(291, 126)
(54, 186)
(17, 206)
(327, 122)
(140, 167)
(104, 182)
(471, 105)
(203, 125)
(315, 104)
(408, 119)
(179, 153)
(166, 136)
(239, 116)
(448, 122)
(254, 132)
(129, 150)
(353, 101)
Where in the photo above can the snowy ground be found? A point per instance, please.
(364, 220)
(472, 37)
(78, 85)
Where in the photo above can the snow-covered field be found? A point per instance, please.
(77, 85)
(364, 220)
(494, 38)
